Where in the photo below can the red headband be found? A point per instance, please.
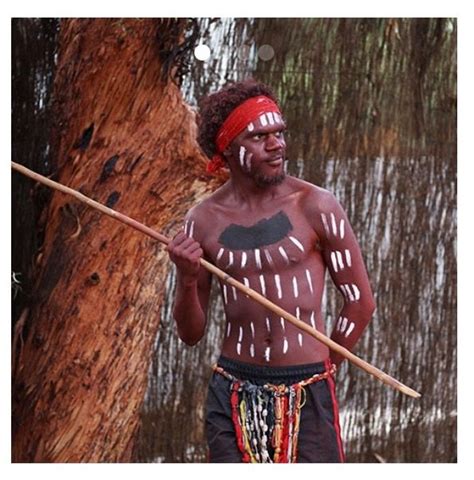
(237, 120)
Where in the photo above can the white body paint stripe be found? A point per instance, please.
(333, 222)
(268, 257)
(338, 325)
(348, 258)
(234, 293)
(283, 254)
(191, 230)
(356, 292)
(228, 329)
(313, 324)
(219, 254)
(252, 329)
(243, 260)
(300, 339)
(252, 350)
(186, 227)
(298, 313)
(231, 260)
(349, 292)
(344, 324)
(310, 282)
(224, 290)
(262, 285)
(334, 261)
(258, 261)
(246, 282)
(341, 228)
(295, 287)
(297, 243)
(282, 323)
(285, 345)
(339, 260)
(267, 321)
(325, 223)
(241, 334)
(349, 330)
(267, 354)
(239, 346)
(278, 285)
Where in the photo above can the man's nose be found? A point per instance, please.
(273, 142)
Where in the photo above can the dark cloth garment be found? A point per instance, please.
(319, 434)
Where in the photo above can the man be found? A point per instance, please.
(272, 396)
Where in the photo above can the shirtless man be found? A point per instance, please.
(271, 397)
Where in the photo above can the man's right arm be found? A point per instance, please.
(192, 288)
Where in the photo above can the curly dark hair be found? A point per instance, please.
(215, 108)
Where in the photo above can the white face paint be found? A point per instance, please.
(270, 119)
(242, 153)
(297, 243)
(248, 162)
(263, 120)
(250, 127)
(243, 261)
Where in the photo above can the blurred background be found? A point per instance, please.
(371, 112)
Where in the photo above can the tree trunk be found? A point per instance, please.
(123, 136)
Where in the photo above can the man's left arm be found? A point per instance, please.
(346, 266)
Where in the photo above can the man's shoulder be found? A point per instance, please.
(314, 196)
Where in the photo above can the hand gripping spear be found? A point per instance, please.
(374, 371)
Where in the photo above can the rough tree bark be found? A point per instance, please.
(124, 137)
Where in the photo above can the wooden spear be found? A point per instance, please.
(374, 371)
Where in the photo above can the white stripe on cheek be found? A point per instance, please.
(239, 346)
(297, 243)
(242, 152)
(348, 258)
(248, 161)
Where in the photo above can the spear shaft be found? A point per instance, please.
(362, 364)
